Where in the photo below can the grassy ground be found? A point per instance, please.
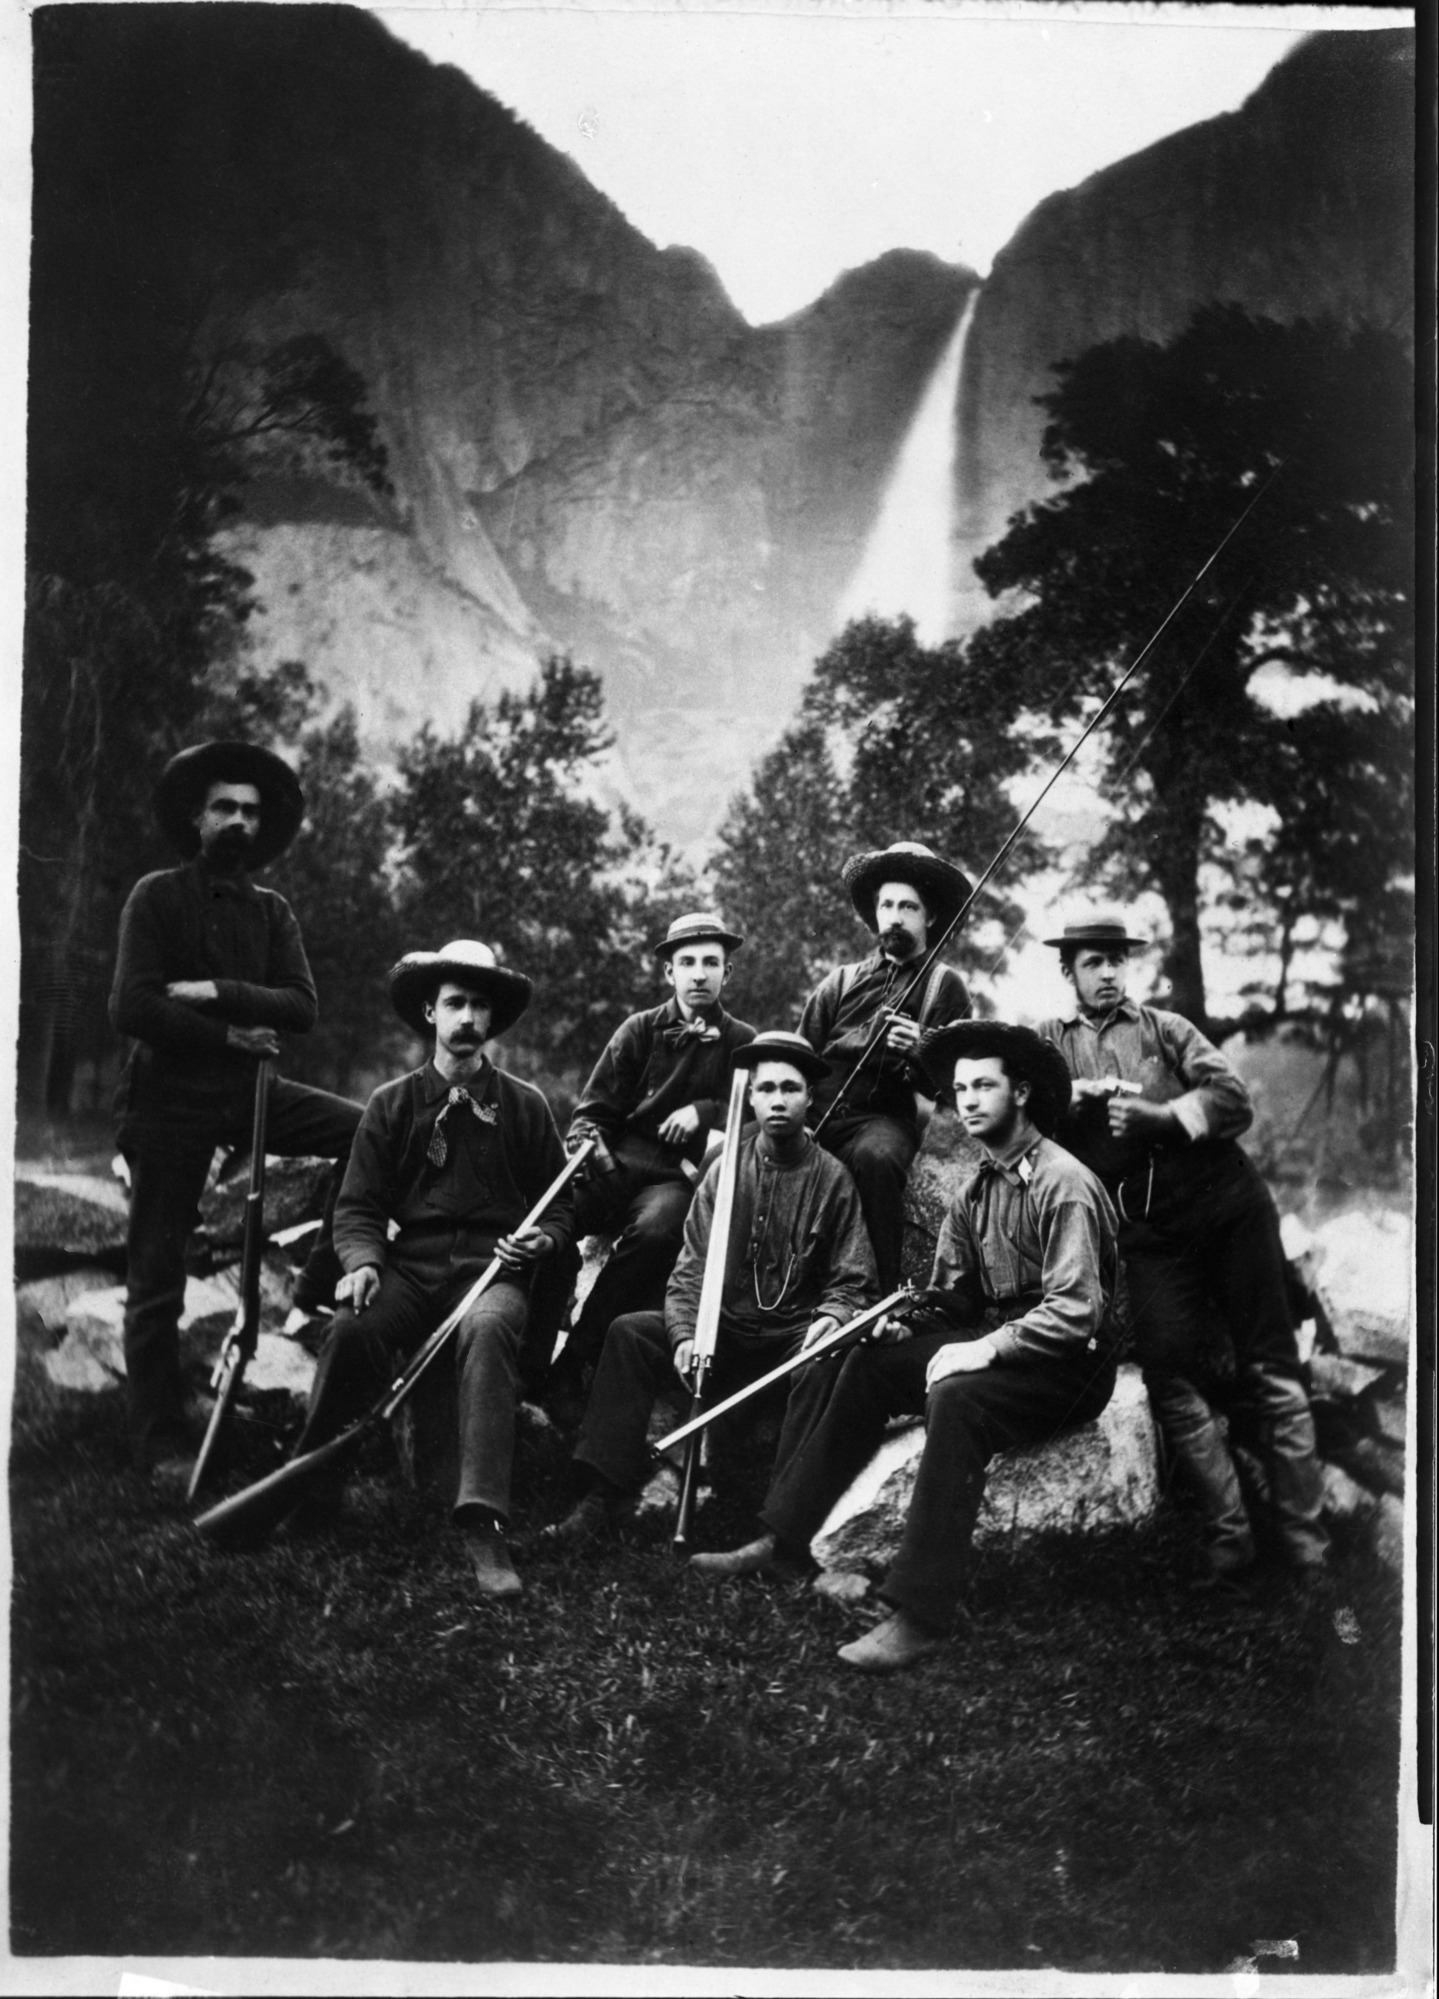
(330, 1749)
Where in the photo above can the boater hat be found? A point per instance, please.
(188, 776)
(944, 887)
(703, 927)
(776, 1044)
(420, 974)
(1104, 927)
(1025, 1054)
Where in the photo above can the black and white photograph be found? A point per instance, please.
(721, 742)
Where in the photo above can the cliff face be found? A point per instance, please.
(1298, 205)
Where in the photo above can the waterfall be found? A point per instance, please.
(906, 562)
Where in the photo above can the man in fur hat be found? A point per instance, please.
(798, 1264)
(654, 1102)
(1156, 1111)
(455, 1154)
(1016, 1337)
(872, 1112)
(210, 972)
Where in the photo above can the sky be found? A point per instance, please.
(792, 142)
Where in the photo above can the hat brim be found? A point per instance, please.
(187, 777)
(416, 979)
(1025, 1054)
(945, 888)
(1097, 939)
(667, 949)
(810, 1065)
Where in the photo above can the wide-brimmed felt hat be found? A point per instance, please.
(1024, 1053)
(188, 776)
(777, 1044)
(420, 974)
(1104, 927)
(702, 927)
(945, 888)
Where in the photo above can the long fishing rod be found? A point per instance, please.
(1111, 699)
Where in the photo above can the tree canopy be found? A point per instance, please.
(1159, 450)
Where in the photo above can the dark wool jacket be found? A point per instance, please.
(652, 1067)
(839, 1017)
(453, 1214)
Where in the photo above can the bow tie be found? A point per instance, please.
(439, 1146)
(690, 1030)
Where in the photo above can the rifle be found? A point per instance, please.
(250, 1515)
(238, 1349)
(706, 1333)
(846, 1335)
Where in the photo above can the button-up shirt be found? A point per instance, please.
(839, 1019)
(657, 1063)
(1032, 1227)
(1173, 1063)
(496, 1167)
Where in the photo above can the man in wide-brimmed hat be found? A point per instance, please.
(211, 971)
(873, 1113)
(454, 1155)
(798, 1262)
(1016, 1337)
(1156, 1112)
(654, 1102)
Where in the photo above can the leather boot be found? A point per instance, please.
(490, 1562)
(890, 1646)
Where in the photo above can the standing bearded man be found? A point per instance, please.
(211, 970)
(908, 896)
(1155, 1113)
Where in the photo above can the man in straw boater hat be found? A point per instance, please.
(656, 1096)
(210, 972)
(798, 1264)
(454, 1154)
(1155, 1113)
(908, 896)
(1016, 1337)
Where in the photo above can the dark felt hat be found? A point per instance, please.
(420, 974)
(703, 927)
(188, 776)
(945, 888)
(1104, 927)
(1025, 1054)
(777, 1044)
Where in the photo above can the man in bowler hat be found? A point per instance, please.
(1016, 1337)
(210, 972)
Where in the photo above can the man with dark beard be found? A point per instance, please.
(907, 895)
(210, 971)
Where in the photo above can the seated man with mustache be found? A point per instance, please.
(908, 896)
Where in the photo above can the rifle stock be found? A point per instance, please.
(250, 1515)
(706, 1333)
(243, 1337)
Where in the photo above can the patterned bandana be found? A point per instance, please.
(690, 1030)
(439, 1147)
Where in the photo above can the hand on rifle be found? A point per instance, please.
(357, 1287)
(902, 1034)
(524, 1247)
(1131, 1117)
(684, 1358)
(960, 1357)
(680, 1126)
(825, 1323)
(253, 1040)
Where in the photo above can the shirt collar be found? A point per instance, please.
(1125, 1009)
(434, 1086)
(1008, 1161)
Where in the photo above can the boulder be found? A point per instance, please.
(90, 1355)
(44, 1306)
(1377, 1517)
(58, 1229)
(1096, 1475)
(1332, 1378)
(1390, 1417)
(1360, 1271)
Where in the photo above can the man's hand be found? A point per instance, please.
(680, 1126)
(892, 1328)
(578, 1136)
(253, 1040)
(684, 1358)
(1132, 1117)
(357, 1287)
(1092, 1089)
(902, 1035)
(960, 1357)
(825, 1323)
(192, 992)
(524, 1247)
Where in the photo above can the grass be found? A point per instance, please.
(330, 1749)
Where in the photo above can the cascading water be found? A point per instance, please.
(906, 562)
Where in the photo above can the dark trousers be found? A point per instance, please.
(835, 1423)
(366, 1350)
(1222, 1253)
(636, 1370)
(167, 1178)
(879, 1152)
(649, 1213)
